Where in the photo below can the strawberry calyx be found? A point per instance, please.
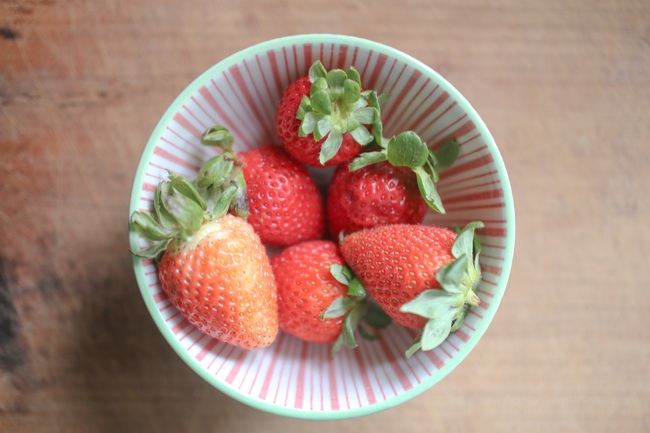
(181, 205)
(223, 175)
(355, 307)
(446, 309)
(337, 105)
(408, 150)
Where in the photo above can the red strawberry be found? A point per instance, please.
(390, 185)
(306, 287)
(285, 206)
(423, 277)
(375, 195)
(324, 118)
(213, 266)
(319, 300)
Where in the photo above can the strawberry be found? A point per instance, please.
(423, 277)
(319, 300)
(284, 204)
(210, 263)
(374, 195)
(392, 185)
(325, 118)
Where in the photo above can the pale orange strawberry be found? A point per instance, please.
(212, 265)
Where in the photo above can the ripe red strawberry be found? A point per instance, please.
(284, 204)
(306, 287)
(423, 277)
(325, 118)
(212, 265)
(375, 195)
(392, 185)
(319, 300)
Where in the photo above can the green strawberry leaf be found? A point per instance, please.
(351, 92)
(353, 75)
(338, 307)
(465, 242)
(322, 128)
(350, 322)
(154, 251)
(222, 204)
(352, 124)
(348, 272)
(336, 81)
(144, 224)
(216, 171)
(338, 345)
(361, 103)
(458, 321)
(377, 126)
(316, 71)
(428, 190)
(318, 85)
(356, 289)
(366, 115)
(166, 219)
(367, 158)
(436, 331)
(354, 307)
(187, 189)
(342, 274)
(321, 102)
(375, 316)
(366, 334)
(414, 347)
(407, 150)
(239, 203)
(218, 136)
(383, 98)
(447, 154)
(304, 107)
(450, 276)
(361, 135)
(331, 145)
(430, 167)
(431, 303)
(187, 212)
(308, 123)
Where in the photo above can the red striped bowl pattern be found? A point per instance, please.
(292, 377)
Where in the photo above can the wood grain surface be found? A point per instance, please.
(564, 88)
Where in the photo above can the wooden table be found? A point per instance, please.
(564, 88)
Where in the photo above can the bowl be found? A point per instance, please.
(293, 378)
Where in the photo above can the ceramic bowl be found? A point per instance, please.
(293, 378)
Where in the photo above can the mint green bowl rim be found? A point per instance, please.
(246, 53)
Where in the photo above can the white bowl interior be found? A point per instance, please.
(291, 377)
